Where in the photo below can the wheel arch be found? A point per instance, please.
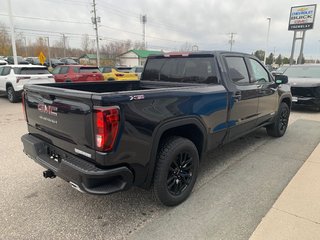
(9, 84)
(191, 128)
(286, 100)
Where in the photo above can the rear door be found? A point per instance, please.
(244, 97)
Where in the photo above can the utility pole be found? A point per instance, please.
(13, 39)
(267, 44)
(231, 41)
(95, 21)
(143, 19)
(49, 57)
(64, 44)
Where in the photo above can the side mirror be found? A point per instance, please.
(281, 79)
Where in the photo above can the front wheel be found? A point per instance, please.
(279, 127)
(176, 171)
(12, 95)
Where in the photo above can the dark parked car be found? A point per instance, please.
(19, 58)
(33, 60)
(54, 62)
(305, 84)
(68, 61)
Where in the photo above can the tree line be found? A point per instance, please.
(61, 47)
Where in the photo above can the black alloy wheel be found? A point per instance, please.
(281, 121)
(284, 119)
(176, 170)
(180, 173)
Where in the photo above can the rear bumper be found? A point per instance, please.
(82, 175)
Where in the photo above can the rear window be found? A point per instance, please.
(86, 70)
(191, 70)
(123, 69)
(30, 71)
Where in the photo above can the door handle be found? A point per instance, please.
(237, 96)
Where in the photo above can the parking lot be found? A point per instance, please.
(237, 186)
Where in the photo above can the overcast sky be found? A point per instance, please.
(170, 24)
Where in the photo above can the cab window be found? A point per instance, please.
(238, 71)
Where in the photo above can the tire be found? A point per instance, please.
(279, 127)
(12, 95)
(176, 171)
(111, 79)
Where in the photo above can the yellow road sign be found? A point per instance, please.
(42, 58)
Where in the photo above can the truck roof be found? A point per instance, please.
(197, 53)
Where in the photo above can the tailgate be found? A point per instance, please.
(90, 77)
(61, 117)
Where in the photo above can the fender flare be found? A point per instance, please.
(161, 129)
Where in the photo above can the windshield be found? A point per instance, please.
(303, 72)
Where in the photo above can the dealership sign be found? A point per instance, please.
(302, 17)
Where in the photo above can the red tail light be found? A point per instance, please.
(119, 74)
(24, 106)
(106, 127)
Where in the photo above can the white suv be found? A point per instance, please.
(13, 77)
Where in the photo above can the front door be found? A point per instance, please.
(268, 97)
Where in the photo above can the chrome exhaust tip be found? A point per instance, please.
(75, 186)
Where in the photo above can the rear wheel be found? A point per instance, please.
(12, 95)
(176, 171)
(279, 127)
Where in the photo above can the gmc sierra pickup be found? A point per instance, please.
(104, 137)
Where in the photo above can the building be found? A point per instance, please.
(91, 59)
(136, 57)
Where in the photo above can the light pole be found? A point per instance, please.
(13, 39)
(317, 58)
(267, 44)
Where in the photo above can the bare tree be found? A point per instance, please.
(5, 43)
(85, 43)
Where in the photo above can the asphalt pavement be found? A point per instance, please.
(237, 185)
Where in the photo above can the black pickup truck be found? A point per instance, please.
(105, 137)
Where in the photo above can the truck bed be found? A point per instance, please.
(118, 86)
